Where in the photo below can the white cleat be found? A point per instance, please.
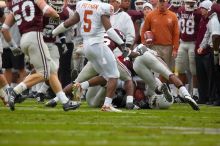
(188, 99)
(109, 108)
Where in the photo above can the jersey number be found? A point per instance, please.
(26, 16)
(187, 26)
(87, 22)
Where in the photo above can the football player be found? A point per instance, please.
(48, 25)
(88, 72)
(33, 45)
(94, 18)
(189, 17)
(148, 62)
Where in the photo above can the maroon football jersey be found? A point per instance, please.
(135, 15)
(110, 43)
(175, 10)
(49, 24)
(188, 22)
(27, 14)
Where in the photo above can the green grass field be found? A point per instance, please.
(33, 124)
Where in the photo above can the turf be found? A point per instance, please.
(33, 124)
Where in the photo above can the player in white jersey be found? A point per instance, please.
(94, 18)
(148, 62)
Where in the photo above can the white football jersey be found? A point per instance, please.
(90, 13)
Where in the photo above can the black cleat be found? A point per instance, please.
(132, 106)
(51, 103)
(11, 98)
(40, 97)
(167, 94)
(70, 105)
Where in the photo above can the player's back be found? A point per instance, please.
(27, 15)
(90, 13)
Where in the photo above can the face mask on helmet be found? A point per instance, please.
(176, 3)
(139, 4)
(159, 102)
(71, 2)
(190, 5)
(105, 1)
(57, 5)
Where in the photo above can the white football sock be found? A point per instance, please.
(62, 97)
(43, 88)
(108, 101)
(183, 92)
(56, 99)
(20, 88)
(84, 85)
(129, 99)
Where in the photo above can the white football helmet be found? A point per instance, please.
(159, 102)
(139, 4)
(176, 3)
(58, 5)
(190, 5)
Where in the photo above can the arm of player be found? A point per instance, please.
(66, 24)
(9, 21)
(46, 9)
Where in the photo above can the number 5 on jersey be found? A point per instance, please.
(87, 22)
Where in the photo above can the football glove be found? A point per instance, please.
(14, 48)
(64, 48)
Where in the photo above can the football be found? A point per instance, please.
(149, 37)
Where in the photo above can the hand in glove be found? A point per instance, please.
(64, 48)
(14, 48)
(125, 50)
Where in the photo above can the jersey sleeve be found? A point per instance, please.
(78, 6)
(106, 9)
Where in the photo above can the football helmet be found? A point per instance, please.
(71, 2)
(190, 5)
(176, 3)
(58, 5)
(139, 4)
(159, 102)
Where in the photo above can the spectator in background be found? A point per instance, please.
(204, 58)
(175, 5)
(125, 5)
(153, 3)
(122, 21)
(162, 21)
(211, 39)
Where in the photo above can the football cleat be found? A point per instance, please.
(109, 108)
(40, 97)
(77, 92)
(167, 94)
(51, 103)
(71, 105)
(196, 98)
(191, 102)
(131, 106)
(11, 98)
